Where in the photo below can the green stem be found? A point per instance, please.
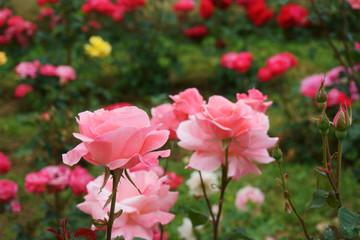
(112, 208)
(324, 152)
(207, 199)
(338, 165)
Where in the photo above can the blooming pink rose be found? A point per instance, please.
(222, 120)
(117, 105)
(58, 177)
(311, 84)
(281, 62)
(8, 190)
(27, 69)
(164, 115)
(184, 6)
(255, 100)
(15, 206)
(48, 70)
(247, 194)
(5, 164)
(174, 180)
(336, 97)
(36, 182)
(265, 74)
(242, 62)
(355, 4)
(187, 103)
(78, 180)
(120, 138)
(141, 212)
(65, 73)
(22, 90)
(227, 60)
(142, 167)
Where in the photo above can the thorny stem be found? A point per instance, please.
(112, 208)
(224, 182)
(207, 199)
(301, 220)
(338, 165)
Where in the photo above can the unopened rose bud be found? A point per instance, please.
(286, 194)
(323, 124)
(277, 154)
(342, 121)
(321, 95)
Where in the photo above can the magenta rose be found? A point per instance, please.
(223, 119)
(243, 62)
(78, 180)
(120, 138)
(141, 212)
(227, 60)
(36, 182)
(5, 164)
(48, 70)
(265, 74)
(8, 190)
(22, 90)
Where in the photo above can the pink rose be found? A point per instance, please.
(357, 46)
(242, 62)
(174, 180)
(184, 6)
(187, 103)
(311, 84)
(5, 164)
(355, 4)
(117, 105)
(22, 90)
(227, 60)
(78, 180)
(8, 190)
(27, 69)
(48, 70)
(336, 97)
(247, 194)
(142, 167)
(222, 120)
(15, 207)
(281, 62)
(65, 73)
(255, 100)
(58, 177)
(164, 115)
(36, 182)
(265, 74)
(120, 138)
(141, 212)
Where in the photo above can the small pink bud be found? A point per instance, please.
(342, 120)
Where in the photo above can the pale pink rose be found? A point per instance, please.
(311, 84)
(174, 180)
(48, 70)
(355, 4)
(227, 60)
(22, 90)
(79, 178)
(65, 73)
(187, 103)
(5, 164)
(140, 167)
(255, 99)
(27, 69)
(164, 115)
(58, 177)
(247, 194)
(15, 206)
(8, 190)
(141, 212)
(36, 182)
(119, 138)
(223, 119)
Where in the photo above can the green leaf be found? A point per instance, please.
(319, 200)
(197, 218)
(322, 181)
(330, 233)
(332, 200)
(349, 222)
(239, 233)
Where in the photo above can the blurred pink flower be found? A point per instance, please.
(186, 103)
(27, 69)
(247, 194)
(265, 74)
(196, 32)
(43, 2)
(227, 60)
(355, 4)
(48, 70)
(22, 90)
(58, 177)
(281, 62)
(223, 119)
(173, 180)
(65, 73)
(206, 8)
(184, 5)
(242, 62)
(15, 206)
(117, 105)
(79, 178)
(164, 115)
(255, 99)
(4, 14)
(8, 190)
(46, 116)
(357, 44)
(5, 164)
(120, 138)
(311, 84)
(36, 182)
(336, 97)
(141, 212)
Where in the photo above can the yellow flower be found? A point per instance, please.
(3, 58)
(98, 48)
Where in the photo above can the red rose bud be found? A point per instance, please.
(342, 121)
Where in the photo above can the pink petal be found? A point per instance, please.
(205, 161)
(72, 157)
